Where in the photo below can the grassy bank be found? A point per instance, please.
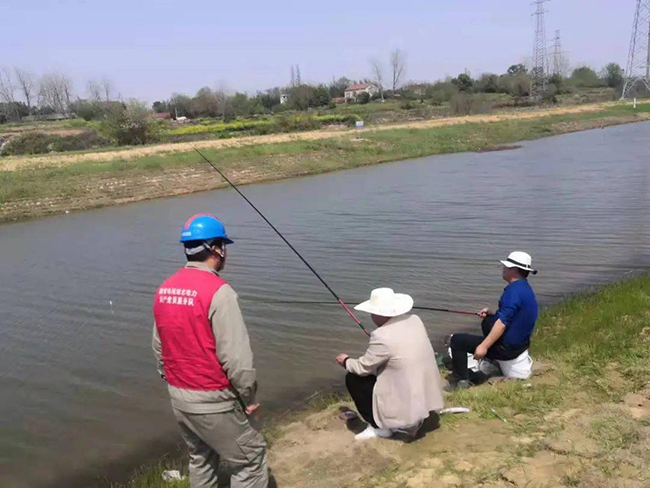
(30, 191)
(582, 420)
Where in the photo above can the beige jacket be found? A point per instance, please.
(408, 381)
(234, 353)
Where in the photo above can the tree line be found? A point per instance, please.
(23, 94)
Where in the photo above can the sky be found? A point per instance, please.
(151, 49)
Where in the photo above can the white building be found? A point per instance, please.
(353, 91)
(284, 98)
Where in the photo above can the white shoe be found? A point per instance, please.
(372, 433)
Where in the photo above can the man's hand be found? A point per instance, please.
(484, 312)
(251, 409)
(480, 352)
(341, 359)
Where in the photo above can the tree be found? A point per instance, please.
(378, 76)
(26, 84)
(180, 105)
(363, 98)
(585, 77)
(398, 67)
(55, 92)
(556, 82)
(130, 124)
(107, 88)
(517, 69)
(205, 103)
(8, 91)
(487, 83)
(464, 82)
(613, 75)
(160, 107)
(321, 96)
(94, 90)
(337, 87)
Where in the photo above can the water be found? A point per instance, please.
(77, 378)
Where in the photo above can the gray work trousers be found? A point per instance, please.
(228, 438)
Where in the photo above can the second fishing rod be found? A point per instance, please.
(336, 297)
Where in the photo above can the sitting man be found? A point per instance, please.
(506, 334)
(396, 383)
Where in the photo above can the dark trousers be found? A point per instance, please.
(360, 388)
(461, 344)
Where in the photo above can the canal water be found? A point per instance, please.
(78, 385)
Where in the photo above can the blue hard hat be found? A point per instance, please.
(204, 227)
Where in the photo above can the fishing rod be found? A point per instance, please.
(338, 299)
(432, 309)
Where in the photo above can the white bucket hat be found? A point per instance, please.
(521, 260)
(387, 303)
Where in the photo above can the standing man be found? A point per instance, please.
(203, 352)
(506, 333)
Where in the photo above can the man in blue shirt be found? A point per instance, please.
(506, 334)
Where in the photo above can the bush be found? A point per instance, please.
(363, 98)
(467, 104)
(30, 143)
(41, 143)
(131, 124)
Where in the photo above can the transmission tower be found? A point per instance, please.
(539, 71)
(558, 59)
(638, 61)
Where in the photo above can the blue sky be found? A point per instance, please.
(150, 49)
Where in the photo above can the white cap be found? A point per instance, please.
(387, 303)
(521, 260)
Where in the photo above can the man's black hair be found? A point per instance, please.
(523, 273)
(202, 255)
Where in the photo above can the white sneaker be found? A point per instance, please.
(372, 433)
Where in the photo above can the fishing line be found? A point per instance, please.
(234, 187)
(295, 302)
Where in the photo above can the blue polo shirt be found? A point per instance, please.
(518, 311)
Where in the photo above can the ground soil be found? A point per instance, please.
(318, 450)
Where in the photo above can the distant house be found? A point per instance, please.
(353, 91)
(284, 98)
(163, 115)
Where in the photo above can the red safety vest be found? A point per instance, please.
(189, 349)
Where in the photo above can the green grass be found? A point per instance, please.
(599, 345)
(301, 157)
(586, 336)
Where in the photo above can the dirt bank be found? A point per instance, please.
(44, 185)
(58, 160)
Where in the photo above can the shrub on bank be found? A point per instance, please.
(131, 124)
(468, 104)
(279, 123)
(42, 143)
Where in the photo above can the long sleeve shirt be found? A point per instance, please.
(233, 351)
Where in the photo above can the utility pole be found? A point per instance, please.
(539, 71)
(638, 60)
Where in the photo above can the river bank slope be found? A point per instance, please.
(582, 420)
(42, 185)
